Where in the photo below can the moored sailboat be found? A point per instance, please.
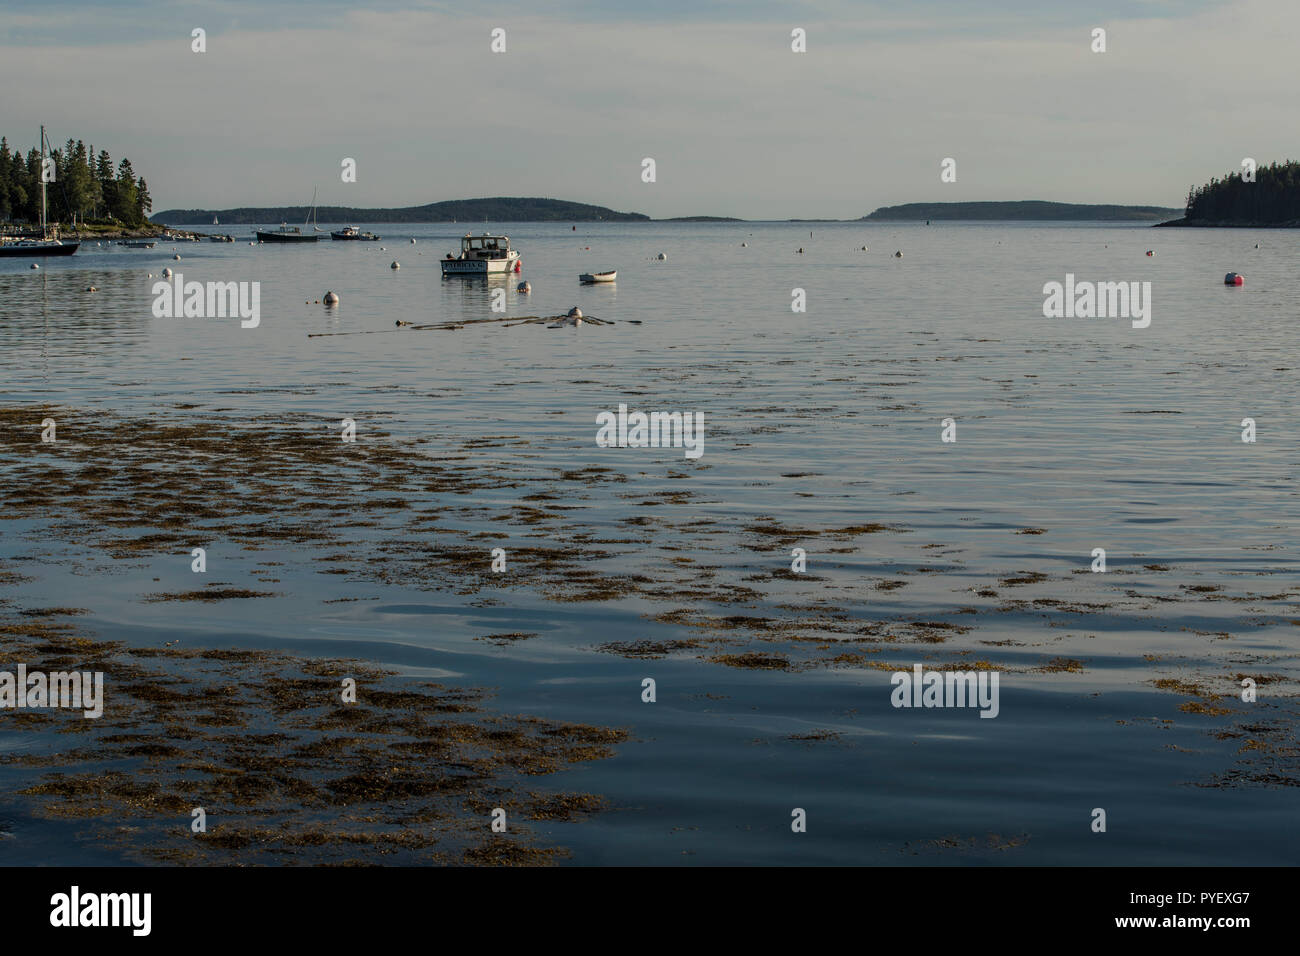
(44, 246)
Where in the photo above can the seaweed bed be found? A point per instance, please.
(281, 765)
(264, 744)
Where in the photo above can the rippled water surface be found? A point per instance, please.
(1072, 435)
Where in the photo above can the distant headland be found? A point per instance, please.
(1264, 197)
(499, 209)
(1030, 210)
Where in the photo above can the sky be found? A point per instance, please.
(737, 123)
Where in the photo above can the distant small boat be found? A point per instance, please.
(221, 238)
(214, 221)
(352, 232)
(137, 243)
(591, 278)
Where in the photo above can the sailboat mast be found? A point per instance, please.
(43, 230)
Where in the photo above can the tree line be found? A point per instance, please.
(87, 187)
(1274, 197)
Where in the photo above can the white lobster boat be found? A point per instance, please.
(482, 255)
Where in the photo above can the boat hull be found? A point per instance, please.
(479, 267)
(282, 237)
(37, 250)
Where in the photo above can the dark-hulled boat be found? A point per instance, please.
(285, 234)
(36, 248)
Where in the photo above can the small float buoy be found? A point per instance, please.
(91, 288)
(524, 287)
(412, 242)
(743, 245)
(177, 258)
(252, 243)
(575, 228)
(662, 256)
(36, 265)
(400, 322)
(800, 252)
(1233, 278)
(864, 248)
(395, 265)
(331, 298)
(898, 255)
(575, 313)
(167, 273)
(1150, 252)
(518, 266)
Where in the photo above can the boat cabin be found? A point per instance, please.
(485, 247)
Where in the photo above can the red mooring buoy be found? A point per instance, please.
(1233, 278)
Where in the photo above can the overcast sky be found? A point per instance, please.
(737, 123)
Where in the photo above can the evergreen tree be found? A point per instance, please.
(125, 198)
(107, 183)
(144, 202)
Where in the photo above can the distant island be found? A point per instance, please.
(1271, 201)
(701, 219)
(500, 209)
(1030, 210)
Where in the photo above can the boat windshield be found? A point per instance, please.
(485, 247)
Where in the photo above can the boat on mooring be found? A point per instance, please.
(31, 248)
(481, 256)
(137, 243)
(355, 234)
(592, 278)
(287, 233)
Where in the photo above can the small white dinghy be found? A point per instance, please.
(589, 278)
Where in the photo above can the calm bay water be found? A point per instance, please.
(1097, 433)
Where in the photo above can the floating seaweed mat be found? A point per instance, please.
(558, 321)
